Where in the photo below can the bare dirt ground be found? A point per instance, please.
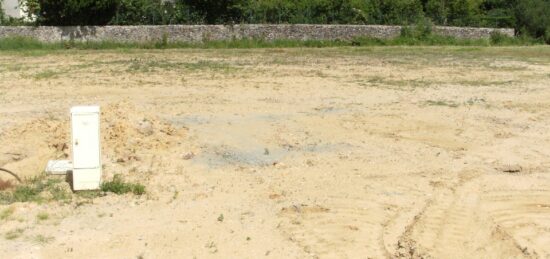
(385, 152)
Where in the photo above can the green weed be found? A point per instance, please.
(453, 104)
(119, 186)
(41, 239)
(5, 214)
(442, 103)
(24, 43)
(38, 189)
(42, 216)
(46, 74)
(14, 234)
(139, 65)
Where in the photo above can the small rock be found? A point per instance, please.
(145, 127)
(310, 163)
(188, 156)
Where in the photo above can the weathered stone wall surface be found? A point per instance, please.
(197, 33)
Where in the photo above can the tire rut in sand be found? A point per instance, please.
(345, 228)
(453, 225)
(525, 216)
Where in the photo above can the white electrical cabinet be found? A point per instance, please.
(86, 147)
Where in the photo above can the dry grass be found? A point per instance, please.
(4, 185)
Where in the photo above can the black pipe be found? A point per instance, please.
(11, 173)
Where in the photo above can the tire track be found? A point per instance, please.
(453, 225)
(343, 229)
(525, 215)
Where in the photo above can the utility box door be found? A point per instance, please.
(85, 134)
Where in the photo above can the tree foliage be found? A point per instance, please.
(530, 17)
(76, 12)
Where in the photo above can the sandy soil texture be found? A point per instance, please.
(384, 152)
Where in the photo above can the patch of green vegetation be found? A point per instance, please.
(119, 186)
(210, 65)
(25, 43)
(41, 239)
(38, 189)
(139, 65)
(14, 234)
(396, 84)
(10, 67)
(175, 196)
(484, 82)
(42, 216)
(442, 103)
(46, 74)
(407, 37)
(220, 218)
(5, 214)
(25, 193)
(453, 104)
(474, 101)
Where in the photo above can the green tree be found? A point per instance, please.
(533, 18)
(216, 11)
(498, 13)
(437, 11)
(464, 12)
(399, 11)
(2, 16)
(151, 12)
(76, 12)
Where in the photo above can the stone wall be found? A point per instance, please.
(197, 33)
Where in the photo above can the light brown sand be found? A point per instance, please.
(329, 153)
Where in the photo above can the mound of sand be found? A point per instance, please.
(128, 135)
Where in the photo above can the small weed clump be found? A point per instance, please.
(119, 186)
(42, 216)
(37, 189)
(14, 234)
(442, 103)
(5, 214)
(41, 239)
(46, 74)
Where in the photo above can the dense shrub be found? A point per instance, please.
(216, 11)
(76, 12)
(529, 17)
(153, 12)
(307, 11)
(2, 15)
(533, 18)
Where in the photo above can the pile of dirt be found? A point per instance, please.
(26, 148)
(128, 133)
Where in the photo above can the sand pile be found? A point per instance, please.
(26, 148)
(129, 135)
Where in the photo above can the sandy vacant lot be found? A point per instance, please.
(434, 152)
